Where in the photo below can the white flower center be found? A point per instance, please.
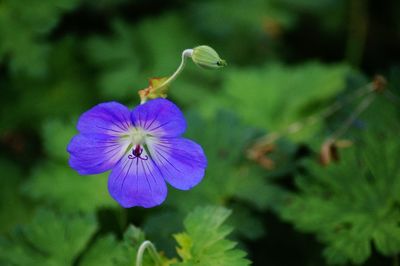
(137, 136)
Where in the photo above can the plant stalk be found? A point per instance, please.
(152, 251)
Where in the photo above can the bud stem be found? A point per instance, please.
(185, 54)
(152, 251)
(203, 56)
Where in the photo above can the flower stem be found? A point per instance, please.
(360, 108)
(152, 251)
(186, 53)
(160, 90)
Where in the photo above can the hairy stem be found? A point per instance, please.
(185, 54)
(152, 251)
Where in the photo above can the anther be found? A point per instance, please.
(137, 153)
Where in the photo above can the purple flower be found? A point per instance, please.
(143, 148)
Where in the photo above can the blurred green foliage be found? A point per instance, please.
(282, 94)
(351, 204)
(287, 60)
(59, 242)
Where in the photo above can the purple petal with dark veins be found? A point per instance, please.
(94, 153)
(109, 118)
(181, 161)
(160, 118)
(137, 182)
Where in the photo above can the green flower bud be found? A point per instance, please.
(206, 57)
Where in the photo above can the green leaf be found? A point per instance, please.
(23, 31)
(133, 54)
(240, 16)
(107, 251)
(331, 15)
(354, 204)
(387, 237)
(226, 25)
(116, 60)
(60, 186)
(204, 240)
(50, 239)
(228, 175)
(224, 143)
(13, 207)
(66, 79)
(275, 96)
(57, 184)
(57, 134)
(102, 252)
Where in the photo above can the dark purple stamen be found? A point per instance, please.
(137, 152)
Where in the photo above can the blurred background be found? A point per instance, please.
(300, 133)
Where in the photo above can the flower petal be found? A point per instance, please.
(95, 153)
(109, 118)
(137, 182)
(181, 161)
(159, 117)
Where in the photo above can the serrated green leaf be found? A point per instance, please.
(185, 243)
(50, 239)
(60, 186)
(102, 252)
(387, 237)
(204, 243)
(229, 177)
(108, 251)
(354, 204)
